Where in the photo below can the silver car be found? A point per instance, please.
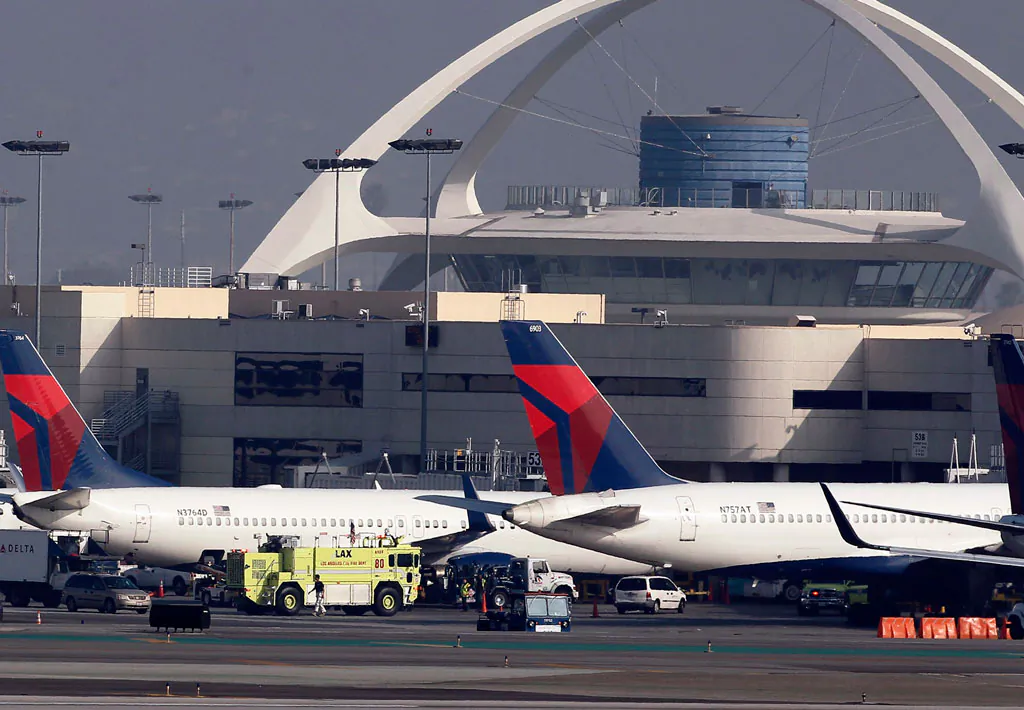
(104, 592)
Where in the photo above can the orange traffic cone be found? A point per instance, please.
(160, 590)
(595, 615)
(483, 603)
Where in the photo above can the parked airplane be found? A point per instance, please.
(72, 484)
(1008, 365)
(619, 501)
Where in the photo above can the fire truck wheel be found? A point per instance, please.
(206, 598)
(288, 601)
(179, 587)
(386, 602)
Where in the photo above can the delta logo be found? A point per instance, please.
(17, 549)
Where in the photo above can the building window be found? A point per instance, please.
(651, 386)
(299, 379)
(826, 399)
(608, 386)
(883, 400)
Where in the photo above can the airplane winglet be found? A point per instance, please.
(478, 521)
(846, 530)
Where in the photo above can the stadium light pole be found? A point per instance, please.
(38, 148)
(426, 146)
(232, 206)
(148, 199)
(337, 165)
(8, 201)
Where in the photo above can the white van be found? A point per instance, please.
(650, 594)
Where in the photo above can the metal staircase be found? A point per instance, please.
(122, 428)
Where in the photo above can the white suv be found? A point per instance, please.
(651, 594)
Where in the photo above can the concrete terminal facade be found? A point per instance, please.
(256, 396)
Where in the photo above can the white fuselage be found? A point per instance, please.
(166, 527)
(708, 526)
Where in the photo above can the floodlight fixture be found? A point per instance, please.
(337, 165)
(1014, 149)
(40, 149)
(426, 145)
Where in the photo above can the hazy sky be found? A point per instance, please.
(200, 99)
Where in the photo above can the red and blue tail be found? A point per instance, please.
(1008, 364)
(583, 443)
(55, 447)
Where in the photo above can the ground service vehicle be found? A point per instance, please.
(104, 592)
(648, 594)
(533, 611)
(146, 577)
(816, 598)
(212, 592)
(528, 574)
(32, 567)
(379, 574)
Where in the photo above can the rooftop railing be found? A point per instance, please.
(564, 197)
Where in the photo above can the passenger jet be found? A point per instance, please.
(70, 483)
(611, 496)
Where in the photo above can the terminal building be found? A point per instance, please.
(747, 324)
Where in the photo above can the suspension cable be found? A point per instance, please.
(642, 90)
(602, 140)
(573, 124)
(933, 119)
(824, 77)
(608, 93)
(896, 110)
(629, 89)
(792, 69)
(821, 131)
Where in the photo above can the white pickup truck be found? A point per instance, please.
(529, 574)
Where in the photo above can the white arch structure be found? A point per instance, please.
(303, 239)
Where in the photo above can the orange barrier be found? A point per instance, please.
(897, 627)
(938, 628)
(973, 627)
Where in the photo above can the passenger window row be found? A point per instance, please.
(358, 523)
(854, 518)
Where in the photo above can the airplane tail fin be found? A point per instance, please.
(55, 447)
(583, 443)
(1008, 364)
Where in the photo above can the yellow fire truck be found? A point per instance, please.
(378, 573)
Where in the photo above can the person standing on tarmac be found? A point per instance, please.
(318, 591)
(464, 593)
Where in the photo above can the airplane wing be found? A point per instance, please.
(986, 524)
(851, 537)
(489, 507)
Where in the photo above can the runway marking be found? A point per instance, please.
(509, 644)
